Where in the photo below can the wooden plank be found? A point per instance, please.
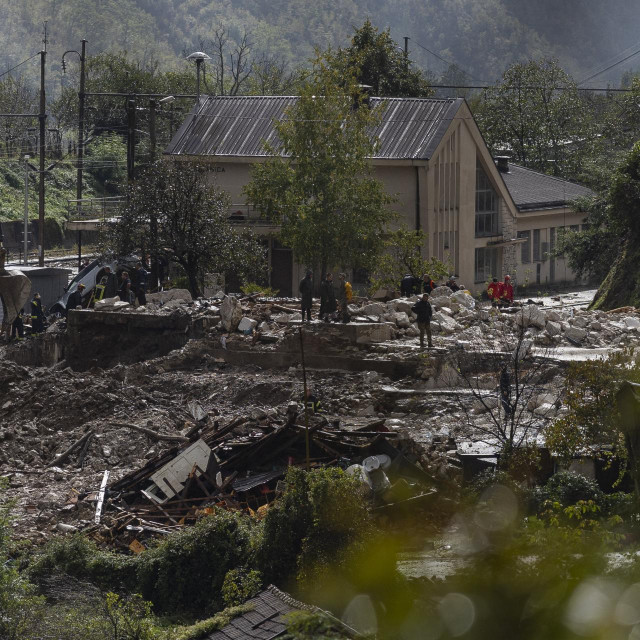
(101, 494)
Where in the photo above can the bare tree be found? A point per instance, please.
(231, 62)
(505, 381)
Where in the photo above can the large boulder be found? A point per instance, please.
(440, 301)
(373, 309)
(553, 328)
(464, 299)
(230, 313)
(575, 334)
(401, 304)
(162, 297)
(444, 322)
(531, 316)
(441, 291)
(401, 319)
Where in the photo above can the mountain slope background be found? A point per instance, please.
(482, 36)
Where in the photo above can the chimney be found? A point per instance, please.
(503, 163)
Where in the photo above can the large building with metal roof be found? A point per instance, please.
(483, 219)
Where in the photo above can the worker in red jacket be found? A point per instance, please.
(506, 293)
(494, 291)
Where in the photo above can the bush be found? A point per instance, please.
(567, 488)
(186, 571)
(321, 518)
(240, 585)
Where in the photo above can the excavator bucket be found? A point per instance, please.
(14, 291)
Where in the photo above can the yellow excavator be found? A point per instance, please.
(15, 288)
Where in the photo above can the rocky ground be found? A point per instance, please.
(43, 411)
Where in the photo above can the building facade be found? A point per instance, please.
(482, 219)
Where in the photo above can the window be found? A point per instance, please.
(486, 264)
(536, 245)
(525, 247)
(486, 206)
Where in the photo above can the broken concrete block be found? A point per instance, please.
(580, 321)
(595, 326)
(445, 323)
(247, 324)
(575, 333)
(110, 304)
(531, 315)
(162, 297)
(282, 318)
(230, 313)
(554, 316)
(485, 404)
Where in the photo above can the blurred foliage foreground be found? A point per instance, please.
(554, 561)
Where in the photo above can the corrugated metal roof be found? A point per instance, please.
(238, 126)
(533, 190)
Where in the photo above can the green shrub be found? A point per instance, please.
(186, 571)
(239, 585)
(567, 488)
(251, 287)
(203, 628)
(321, 518)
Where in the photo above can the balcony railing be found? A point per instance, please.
(249, 215)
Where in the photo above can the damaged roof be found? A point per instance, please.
(238, 126)
(533, 190)
(266, 619)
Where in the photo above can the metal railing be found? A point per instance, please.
(93, 208)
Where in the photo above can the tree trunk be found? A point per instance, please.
(194, 285)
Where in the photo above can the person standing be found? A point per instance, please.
(505, 392)
(423, 310)
(407, 285)
(344, 297)
(328, 304)
(428, 285)
(17, 326)
(141, 283)
(124, 292)
(111, 283)
(506, 291)
(306, 291)
(37, 314)
(75, 299)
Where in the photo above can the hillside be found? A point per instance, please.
(481, 36)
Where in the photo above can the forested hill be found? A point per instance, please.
(481, 36)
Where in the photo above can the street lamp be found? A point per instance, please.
(199, 57)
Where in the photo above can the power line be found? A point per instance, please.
(20, 63)
(613, 59)
(449, 62)
(631, 55)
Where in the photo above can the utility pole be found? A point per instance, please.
(406, 45)
(131, 139)
(153, 222)
(80, 168)
(26, 210)
(42, 117)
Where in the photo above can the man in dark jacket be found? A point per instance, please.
(428, 285)
(17, 326)
(141, 283)
(37, 314)
(124, 292)
(407, 285)
(111, 284)
(423, 310)
(75, 299)
(328, 304)
(306, 291)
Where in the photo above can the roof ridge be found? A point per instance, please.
(288, 599)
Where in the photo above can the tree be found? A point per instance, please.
(403, 255)
(592, 251)
(190, 219)
(381, 64)
(594, 420)
(317, 184)
(621, 286)
(537, 114)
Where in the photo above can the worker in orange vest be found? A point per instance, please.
(494, 291)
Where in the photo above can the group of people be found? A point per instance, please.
(332, 307)
(500, 293)
(412, 285)
(37, 318)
